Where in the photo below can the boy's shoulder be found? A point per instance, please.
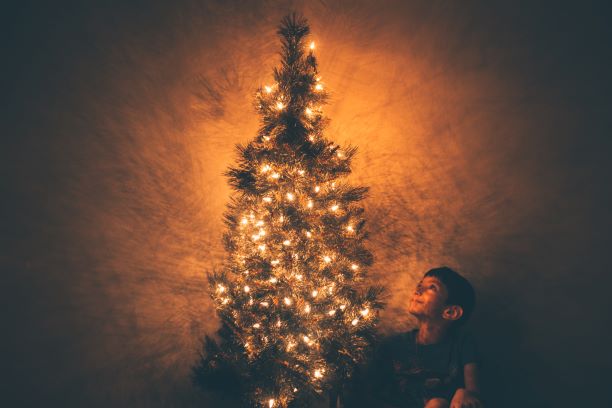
(465, 344)
(463, 336)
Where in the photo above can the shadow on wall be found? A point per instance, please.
(500, 331)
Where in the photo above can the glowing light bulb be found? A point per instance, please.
(315, 293)
(262, 247)
(318, 87)
(220, 288)
(268, 89)
(354, 267)
(334, 207)
(308, 112)
(275, 262)
(273, 280)
(311, 138)
(225, 301)
(265, 168)
(281, 218)
(290, 196)
(354, 322)
(266, 138)
(257, 325)
(259, 223)
(310, 204)
(244, 221)
(271, 403)
(331, 312)
(327, 259)
(290, 345)
(317, 189)
(267, 199)
(307, 308)
(265, 304)
(262, 232)
(318, 374)
(365, 312)
(280, 105)
(312, 45)
(308, 234)
(246, 288)
(255, 237)
(301, 172)
(350, 228)
(298, 277)
(275, 175)
(342, 307)
(278, 323)
(286, 242)
(306, 339)
(287, 301)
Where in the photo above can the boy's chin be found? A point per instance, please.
(419, 312)
(415, 312)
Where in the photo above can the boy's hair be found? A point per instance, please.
(460, 291)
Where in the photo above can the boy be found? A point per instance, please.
(433, 366)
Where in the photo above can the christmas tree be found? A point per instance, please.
(296, 313)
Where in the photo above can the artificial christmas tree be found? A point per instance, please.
(296, 312)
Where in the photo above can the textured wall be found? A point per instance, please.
(483, 133)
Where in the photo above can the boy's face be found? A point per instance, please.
(429, 299)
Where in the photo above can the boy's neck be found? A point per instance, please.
(431, 332)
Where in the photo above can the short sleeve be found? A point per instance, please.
(468, 350)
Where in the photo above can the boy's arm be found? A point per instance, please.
(470, 377)
(468, 397)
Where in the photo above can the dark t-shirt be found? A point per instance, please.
(406, 374)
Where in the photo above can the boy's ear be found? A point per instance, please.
(452, 312)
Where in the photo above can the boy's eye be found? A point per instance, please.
(433, 287)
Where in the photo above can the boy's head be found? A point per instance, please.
(443, 295)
